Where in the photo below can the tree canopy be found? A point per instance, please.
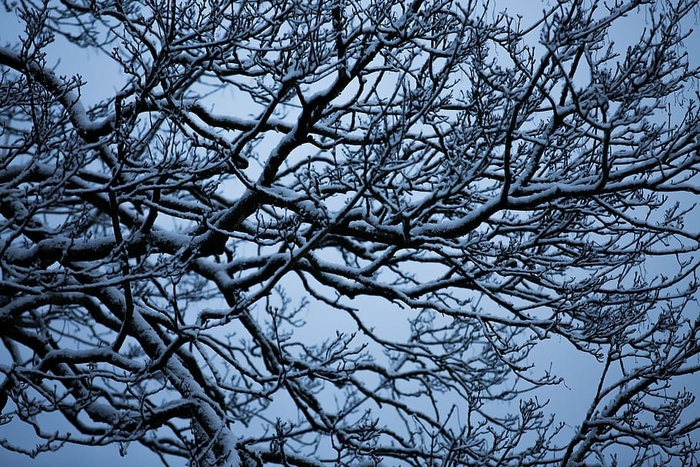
(352, 232)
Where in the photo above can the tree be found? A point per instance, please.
(346, 232)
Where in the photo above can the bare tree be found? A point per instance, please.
(309, 233)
